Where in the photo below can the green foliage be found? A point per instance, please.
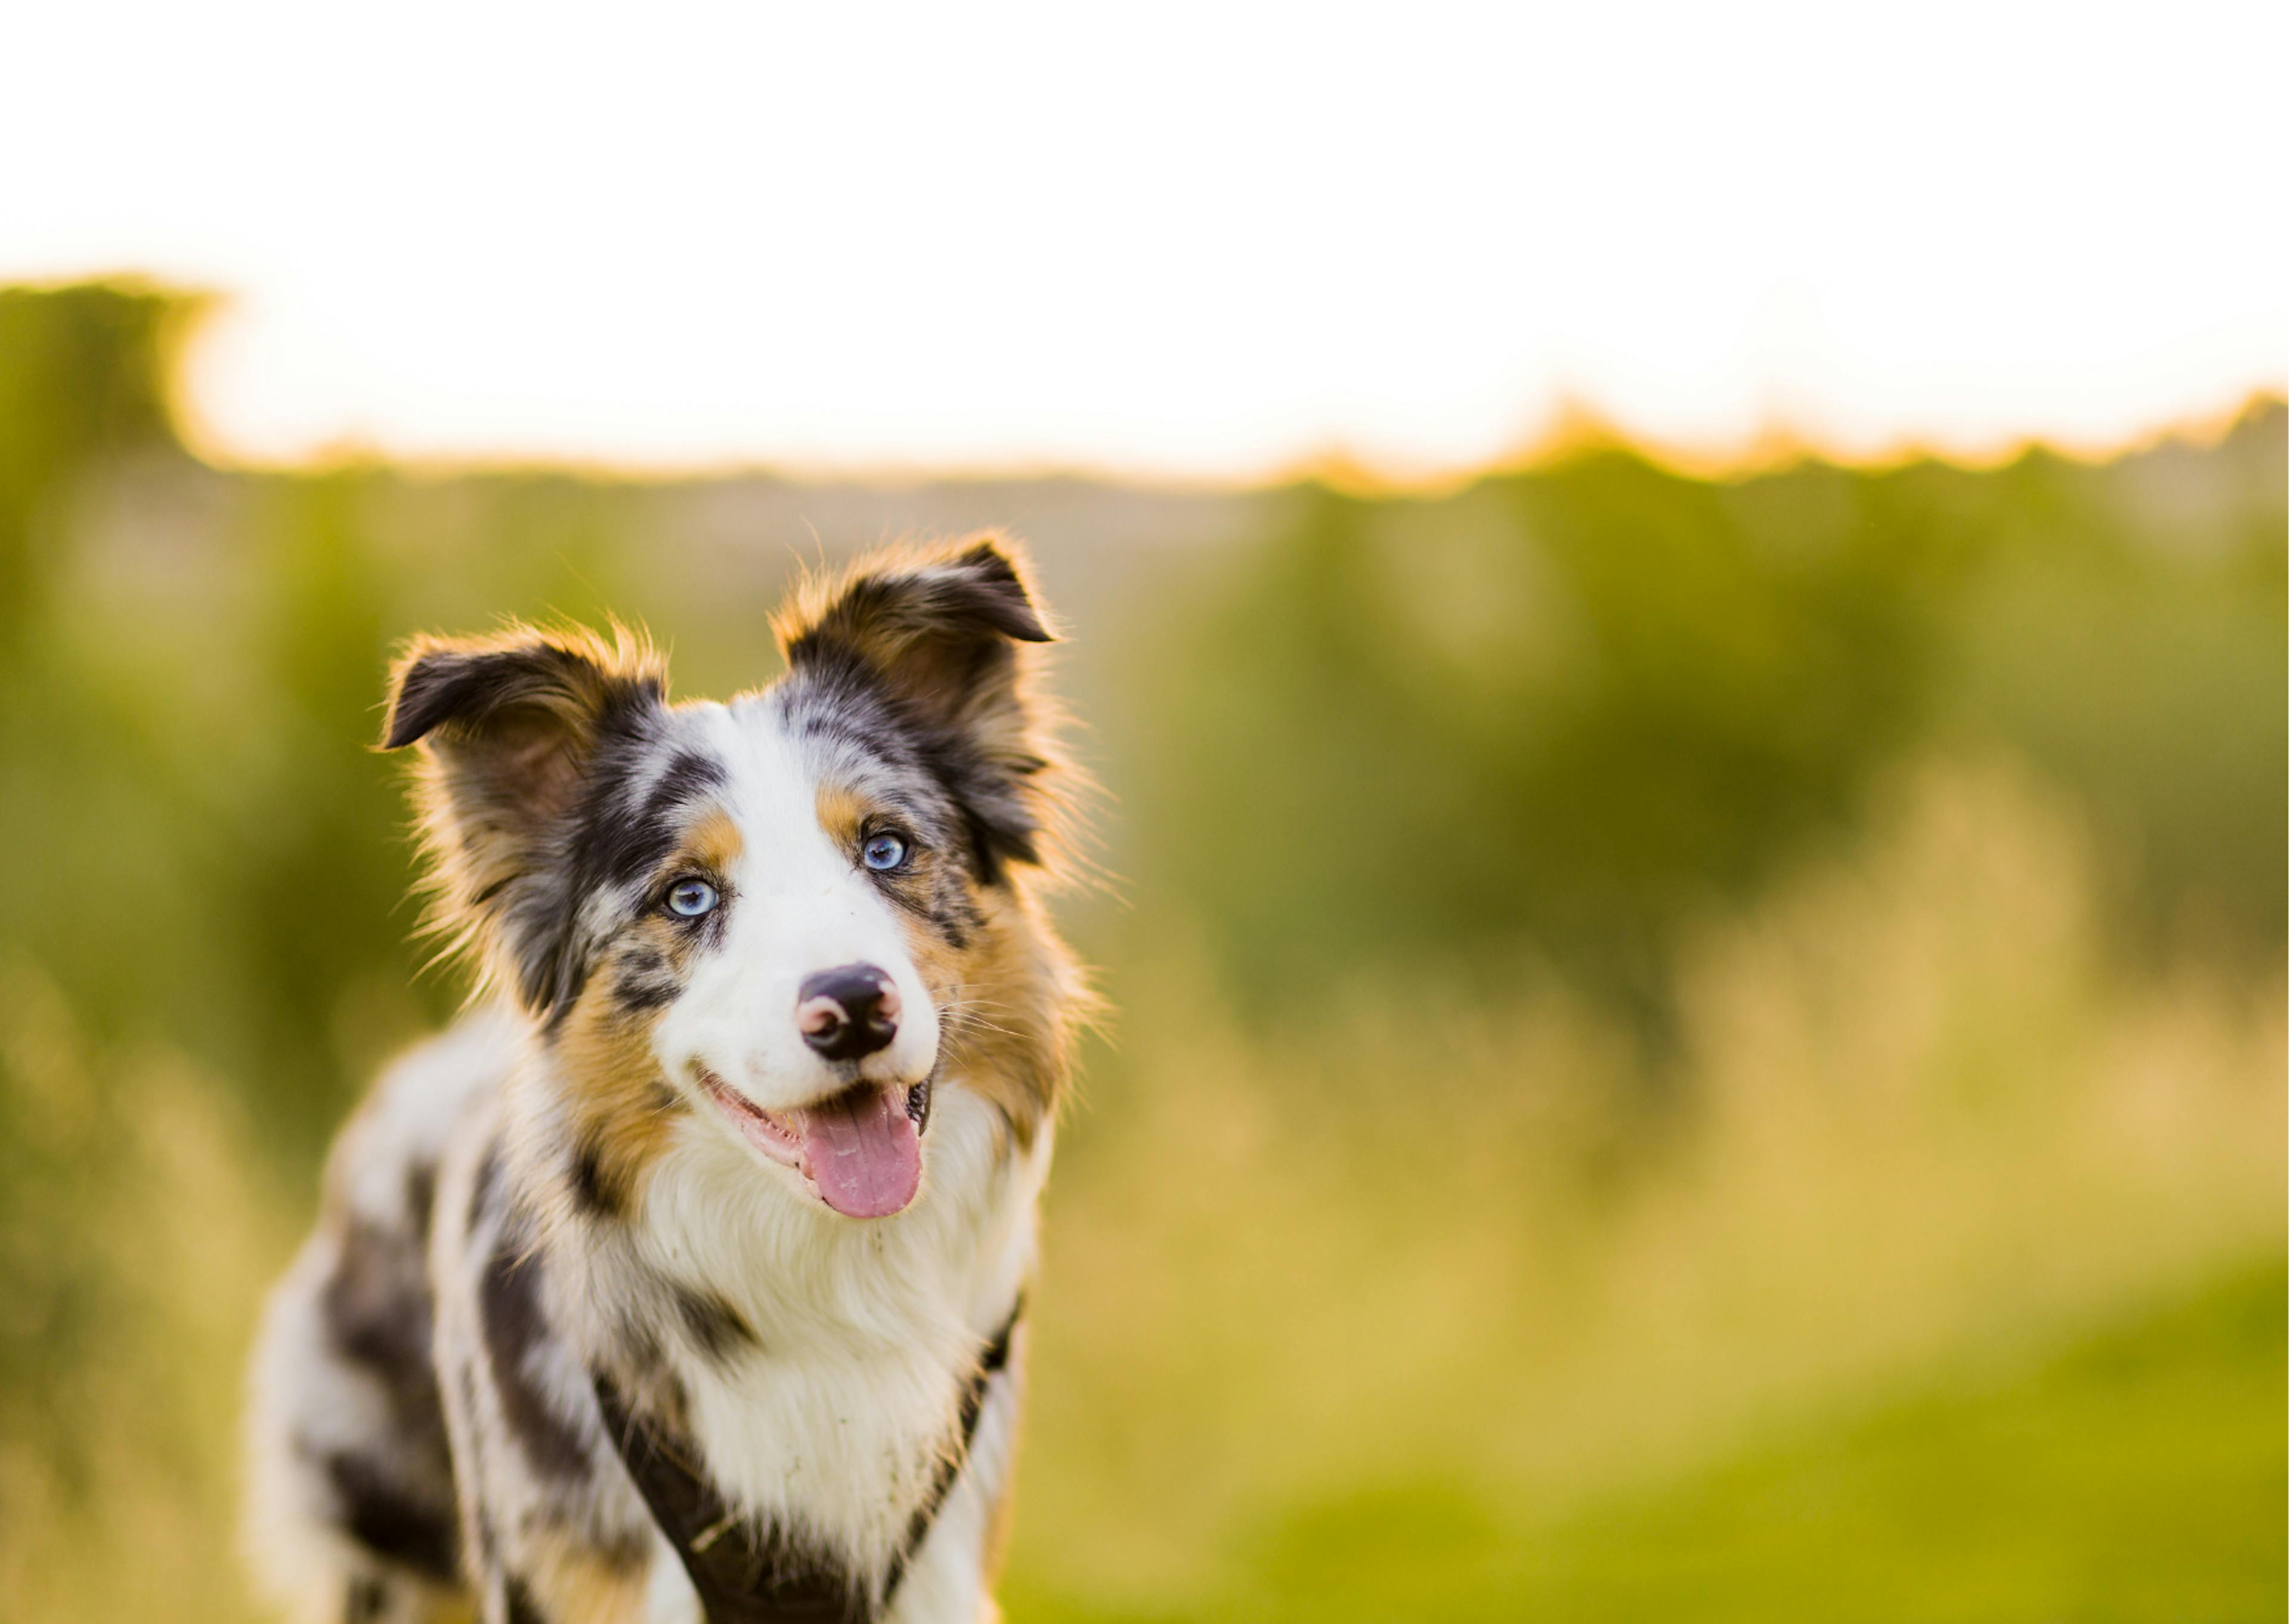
(1573, 710)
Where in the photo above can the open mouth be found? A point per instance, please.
(861, 1150)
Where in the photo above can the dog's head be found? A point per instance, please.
(794, 915)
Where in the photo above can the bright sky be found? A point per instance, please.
(1199, 239)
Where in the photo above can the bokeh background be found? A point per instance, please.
(1685, 1047)
(1698, 990)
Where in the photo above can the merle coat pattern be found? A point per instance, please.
(682, 1277)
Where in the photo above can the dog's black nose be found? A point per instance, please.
(848, 1012)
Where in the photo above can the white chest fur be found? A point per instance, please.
(833, 1421)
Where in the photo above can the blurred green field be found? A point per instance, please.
(2135, 1474)
(1683, 1047)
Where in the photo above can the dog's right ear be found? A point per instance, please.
(508, 726)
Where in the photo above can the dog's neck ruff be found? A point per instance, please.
(747, 1572)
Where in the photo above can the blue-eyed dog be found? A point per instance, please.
(684, 1278)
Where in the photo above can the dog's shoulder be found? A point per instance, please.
(383, 1170)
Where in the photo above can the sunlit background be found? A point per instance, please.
(1681, 611)
(1206, 240)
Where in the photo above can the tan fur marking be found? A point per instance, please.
(841, 812)
(622, 1105)
(1006, 997)
(619, 1104)
(713, 845)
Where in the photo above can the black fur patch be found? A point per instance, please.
(750, 1574)
(645, 981)
(864, 728)
(520, 1608)
(990, 1363)
(605, 844)
(948, 909)
(391, 1521)
(973, 600)
(714, 1325)
(743, 1575)
(592, 1192)
(616, 840)
(375, 1307)
(690, 776)
(420, 1198)
(837, 695)
(509, 1302)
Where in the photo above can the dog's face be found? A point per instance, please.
(784, 915)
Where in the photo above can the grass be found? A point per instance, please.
(2136, 1475)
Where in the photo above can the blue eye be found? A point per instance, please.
(883, 852)
(691, 898)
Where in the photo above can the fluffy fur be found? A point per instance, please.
(579, 1337)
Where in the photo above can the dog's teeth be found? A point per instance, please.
(918, 1104)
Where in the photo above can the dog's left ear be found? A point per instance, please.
(939, 634)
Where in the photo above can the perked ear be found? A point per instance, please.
(938, 634)
(508, 727)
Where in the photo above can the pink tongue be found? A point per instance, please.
(860, 1148)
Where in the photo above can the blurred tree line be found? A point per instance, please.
(1573, 710)
(1557, 717)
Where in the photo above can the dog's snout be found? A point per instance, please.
(848, 1012)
